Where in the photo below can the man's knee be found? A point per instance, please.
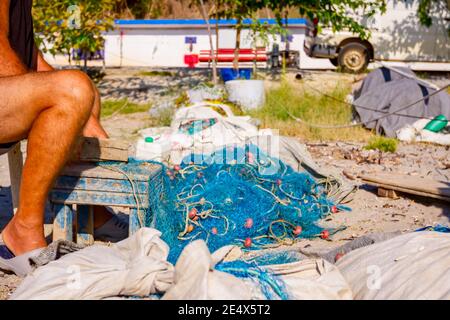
(77, 88)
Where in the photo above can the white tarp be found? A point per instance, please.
(412, 266)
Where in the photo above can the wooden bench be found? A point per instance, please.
(82, 186)
(225, 57)
(389, 184)
(15, 162)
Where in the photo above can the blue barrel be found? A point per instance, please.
(229, 74)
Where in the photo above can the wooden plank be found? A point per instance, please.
(413, 192)
(409, 183)
(96, 198)
(85, 225)
(15, 161)
(93, 171)
(95, 150)
(386, 193)
(63, 223)
(103, 185)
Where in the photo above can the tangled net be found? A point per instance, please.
(239, 196)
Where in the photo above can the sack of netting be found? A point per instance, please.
(136, 266)
(205, 127)
(410, 266)
(199, 275)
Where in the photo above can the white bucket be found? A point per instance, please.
(249, 94)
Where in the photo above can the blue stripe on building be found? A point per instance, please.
(199, 22)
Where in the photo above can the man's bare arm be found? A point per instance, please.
(10, 64)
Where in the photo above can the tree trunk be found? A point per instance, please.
(211, 44)
(238, 44)
(217, 32)
(255, 47)
(85, 62)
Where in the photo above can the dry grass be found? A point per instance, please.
(311, 108)
(122, 106)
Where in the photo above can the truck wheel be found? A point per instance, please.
(353, 57)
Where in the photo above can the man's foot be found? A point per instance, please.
(20, 238)
(94, 129)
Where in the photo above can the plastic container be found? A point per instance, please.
(150, 149)
(229, 74)
(438, 124)
(249, 94)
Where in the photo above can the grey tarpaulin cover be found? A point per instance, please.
(390, 89)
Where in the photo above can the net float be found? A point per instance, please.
(297, 231)
(338, 256)
(193, 213)
(325, 234)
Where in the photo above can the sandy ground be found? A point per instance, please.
(369, 214)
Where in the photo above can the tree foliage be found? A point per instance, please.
(426, 7)
(64, 25)
(338, 14)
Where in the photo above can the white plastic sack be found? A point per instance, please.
(417, 133)
(136, 266)
(228, 130)
(197, 279)
(411, 266)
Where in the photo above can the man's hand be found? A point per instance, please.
(10, 64)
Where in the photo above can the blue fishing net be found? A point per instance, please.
(272, 286)
(438, 228)
(238, 196)
(235, 196)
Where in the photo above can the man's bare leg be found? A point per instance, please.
(93, 127)
(51, 109)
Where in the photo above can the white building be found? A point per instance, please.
(164, 43)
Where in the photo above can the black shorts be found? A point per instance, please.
(7, 145)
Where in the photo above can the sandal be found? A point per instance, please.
(114, 230)
(20, 265)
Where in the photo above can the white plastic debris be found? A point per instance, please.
(417, 133)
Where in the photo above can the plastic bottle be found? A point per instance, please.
(149, 148)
